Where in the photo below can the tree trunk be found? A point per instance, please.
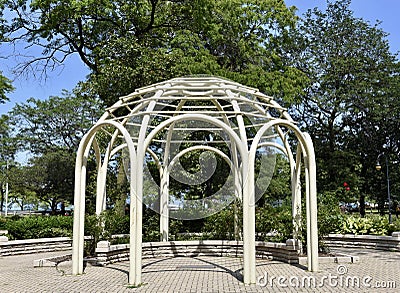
(362, 205)
(62, 208)
(53, 206)
(363, 191)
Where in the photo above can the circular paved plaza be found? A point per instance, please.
(377, 271)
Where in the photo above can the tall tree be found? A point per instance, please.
(7, 153)
(128, 44)
(42, 126)
(240, 40)
(351, 72)
(21, 191)
(51, 130)
(51, 177)
(374, 135)
(5, 83)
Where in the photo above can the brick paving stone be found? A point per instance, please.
(375, 270)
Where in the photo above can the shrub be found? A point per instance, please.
(395, 226)
(94, 229)
(330, 217)
(3, 224)
(371, 225)
(114, 223)
(221, 225)
(274, 223)
(151, 227)
(37, 227)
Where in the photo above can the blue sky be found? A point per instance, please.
(385, 11)
(73, 71)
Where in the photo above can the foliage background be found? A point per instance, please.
(333, 71)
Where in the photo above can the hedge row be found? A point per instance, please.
(29, 227)
(272, 224)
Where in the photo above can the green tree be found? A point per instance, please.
(21, 192)
(240, 40)
(51, 177)
(279, 188)
(5, 87)
(5, 84)
(56, 123)
(51, 130)
(351, 72)
(7, 153)
(131, 44)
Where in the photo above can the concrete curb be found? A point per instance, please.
(51, 261)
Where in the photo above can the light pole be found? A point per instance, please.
(6, 208)
(378, 168)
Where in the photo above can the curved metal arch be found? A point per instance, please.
(284, 114)
(180, 105)
(164, 179)
(102, 171)
(80, 182)
(231, 164)
(295, 169)
(311, 190)
(140, 105)
(106, 117)
(152, 154)
(200, 147)
(301, 136)
(164, 183)
(160, 169)
(200, 117)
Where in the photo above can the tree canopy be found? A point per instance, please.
(51, 131)
(334, 71)
(7, 154)
(43, 126)
(350, 105)
(5, 88)
(127, 45)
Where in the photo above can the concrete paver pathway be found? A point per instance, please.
(377, 271)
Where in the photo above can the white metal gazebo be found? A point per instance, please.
(156, 123)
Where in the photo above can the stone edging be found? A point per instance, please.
(287, 252)
(27, 246)
(278, 251)
(389, 243)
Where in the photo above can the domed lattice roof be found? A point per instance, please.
(212, 96)
(242, 109)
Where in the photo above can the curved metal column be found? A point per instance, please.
(312, 252)
(311, 190)
(80, 184)
(135, 271)
(164, 200)
(141, 106)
